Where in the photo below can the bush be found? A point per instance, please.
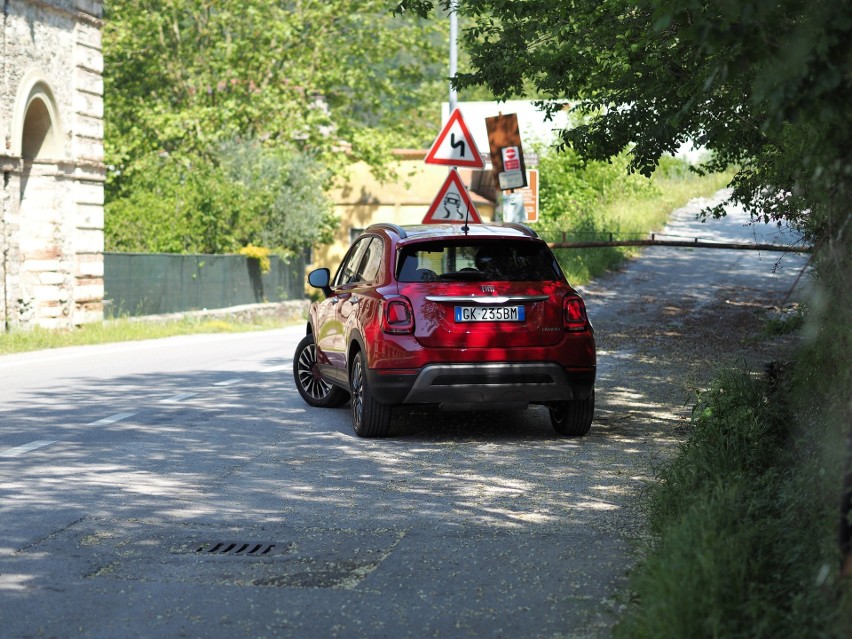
(241, 194)
(592, 201)
(742, 523)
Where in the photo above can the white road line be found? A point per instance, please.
(229, 382)
(177, 398)
(20, 450)
(111, 419)
(278, 369)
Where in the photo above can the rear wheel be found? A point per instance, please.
(573, 418)
(369, 417)
(309, 382)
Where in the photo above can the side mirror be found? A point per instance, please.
(320, 278)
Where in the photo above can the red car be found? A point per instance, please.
(476, 318)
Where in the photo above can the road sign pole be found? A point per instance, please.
(454, 56)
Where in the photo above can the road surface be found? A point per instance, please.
(181, 488)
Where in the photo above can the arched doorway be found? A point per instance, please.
(44, 296)
(39, 135)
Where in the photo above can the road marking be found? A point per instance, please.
(278, 369)
(177, 398)
(111, 419)
(229, 382)
(20, 450)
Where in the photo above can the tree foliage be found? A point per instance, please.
(246, 193)
(765, 85)
(296, 85)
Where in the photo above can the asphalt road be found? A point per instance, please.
(181, 488)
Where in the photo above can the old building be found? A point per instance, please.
(51, 121)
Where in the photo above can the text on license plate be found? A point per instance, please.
(489, 313)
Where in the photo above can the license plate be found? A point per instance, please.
(489, 313)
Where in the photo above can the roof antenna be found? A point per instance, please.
(466, 228)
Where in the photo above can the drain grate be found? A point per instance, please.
(240, 548)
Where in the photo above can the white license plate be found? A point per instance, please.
(489, 313)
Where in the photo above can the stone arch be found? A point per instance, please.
(36, 125)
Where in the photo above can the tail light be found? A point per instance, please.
(398, 316)
(574, 314)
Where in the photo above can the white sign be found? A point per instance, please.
(455, 146)
(512, 176)
(513, 208)
(452, 204)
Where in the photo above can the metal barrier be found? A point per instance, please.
(156, 283)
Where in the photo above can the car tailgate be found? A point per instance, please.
(494, 315)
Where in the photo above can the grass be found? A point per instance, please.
(629, 216)
(742, 522)
(122, 330)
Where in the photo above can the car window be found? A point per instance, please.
(371, 263)
(363, 263)
(348, 270)
(477, 261)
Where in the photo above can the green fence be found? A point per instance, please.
(157, 283)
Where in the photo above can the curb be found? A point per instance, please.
(290, 311)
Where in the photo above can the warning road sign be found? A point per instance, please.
(455, 146)
(452, 204)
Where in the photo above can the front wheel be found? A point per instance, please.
(369, 417)
(309, 382)
(573, 418)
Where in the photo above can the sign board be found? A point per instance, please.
(513, 208)
(521, 205)
(455, 146)
(507, 155)
(452, 205)
(530, 195)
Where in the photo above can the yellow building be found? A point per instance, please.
(363, 200)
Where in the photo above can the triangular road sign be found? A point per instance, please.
(455, 146)
(452, 204)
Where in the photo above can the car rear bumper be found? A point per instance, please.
(485, 384)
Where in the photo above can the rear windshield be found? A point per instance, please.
(472, 260)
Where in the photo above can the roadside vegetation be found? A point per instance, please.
(224, 123)
(643, 208)
(123, 330)
(597, 201)
(743, 521)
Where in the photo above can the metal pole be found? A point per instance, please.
(454, 55)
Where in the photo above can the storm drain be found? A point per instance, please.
(240, 549)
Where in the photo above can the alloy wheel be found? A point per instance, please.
(309, 377)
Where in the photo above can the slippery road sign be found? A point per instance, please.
(452, 204)
(455, 146)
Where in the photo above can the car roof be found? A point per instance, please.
(421, 232)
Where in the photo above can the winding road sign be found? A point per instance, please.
(455, 146)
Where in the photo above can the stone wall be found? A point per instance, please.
(51, 122)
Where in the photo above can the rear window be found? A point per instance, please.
(472, 260)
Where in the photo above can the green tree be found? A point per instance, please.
(311, 83)
(246, 193)
(765, 85)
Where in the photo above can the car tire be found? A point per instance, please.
(369, 417)
(309, 382)
(574, 418)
